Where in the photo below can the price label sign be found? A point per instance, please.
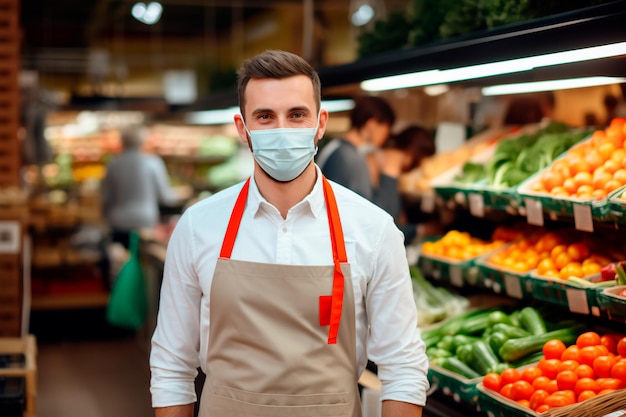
(513, 286)
(534, 211)
(477, 205)
(577, 301)
(456, 276)
(582, 218)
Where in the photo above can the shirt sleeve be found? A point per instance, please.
(165, 193)
(174, 356)
(394, 342)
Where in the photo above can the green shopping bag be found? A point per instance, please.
(128, 302)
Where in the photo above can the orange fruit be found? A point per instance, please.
(578, 252)
(618, 156)
(551, 179)
(578, 164)
(583, 178)
(572, 269)
(561, 260)
(611, 186)
(606, 149)
(585, 395)
(594, 160)
(600, 177)
(620, 176)
(585, 384)
(566, 380)
(618, 370)
(587, 339)
(585, 371)
(549, 367)
(588, 354)
(591, 268)
(570, 353)
(602, 366)
(544, 265)
(611, 166)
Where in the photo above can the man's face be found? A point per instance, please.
(281, 103)
(379, 133)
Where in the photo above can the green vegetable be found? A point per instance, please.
(446, 343)
(484, 358)
(620, 275)
(496, 340)
(531, 320)
(453, 325)
(510, 331)
(462, 339)
(455, 365)
(475, 324)
(515, 349)
(499, 317)
(433, 353)
(465, 353)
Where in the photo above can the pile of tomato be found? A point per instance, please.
(594, 365)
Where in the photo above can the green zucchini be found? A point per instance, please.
(515, 349)
(434, 352)
(527, 360)
(511, 332)
(531, 320)
(455, 365)
(446, 343)
(499, 317)
(496, 340)
(465, 353)
(476, 324)
(484, 358)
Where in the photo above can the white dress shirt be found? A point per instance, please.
(386, 316)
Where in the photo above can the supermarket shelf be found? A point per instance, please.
(69, 301)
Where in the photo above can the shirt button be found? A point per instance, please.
(284, 230)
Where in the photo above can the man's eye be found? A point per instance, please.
(264, 116)
(298, 115)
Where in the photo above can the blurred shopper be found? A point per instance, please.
(344, 159)
(282, 286)
(134, 186)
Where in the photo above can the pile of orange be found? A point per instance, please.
(459, 245)
(595, 365)
(552, 255)
(589, 170)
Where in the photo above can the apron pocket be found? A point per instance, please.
(225, 401)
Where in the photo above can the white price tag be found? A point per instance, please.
(427, 205)
(476, 205)
(456, 277)
(577, 301)
(534, 211)
(582, 218)
(513, 286)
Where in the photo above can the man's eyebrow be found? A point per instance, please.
(261, 111)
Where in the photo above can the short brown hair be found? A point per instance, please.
(276, 64)
(371, 107)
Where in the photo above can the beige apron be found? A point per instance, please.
(276, 347)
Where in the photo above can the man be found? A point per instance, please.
(281, 287)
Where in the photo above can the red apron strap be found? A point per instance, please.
(339, 256)
(234, 222)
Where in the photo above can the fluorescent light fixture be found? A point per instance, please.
(533, 87)
(212, 117)
(436, 76)
(225, 116)
(436, 90)
(148, 14)
(362, 15)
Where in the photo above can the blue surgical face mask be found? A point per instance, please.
(283, 153)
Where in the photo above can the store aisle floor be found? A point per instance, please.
(86, 369)
(93, 379)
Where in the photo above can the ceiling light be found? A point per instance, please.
(148, 14)
(362, 15)
(497, 90)
(436, 76)
(436, 90)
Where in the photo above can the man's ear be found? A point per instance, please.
(322, 124)
(241, 130)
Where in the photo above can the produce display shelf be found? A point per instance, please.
(612, 303)
(581, 300)
(500, 280)
(461, 389)
(449, 271)
(617, 206)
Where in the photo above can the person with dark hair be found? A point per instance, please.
(134, 185)
(282, 286)
(344, 160)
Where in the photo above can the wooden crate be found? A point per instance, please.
(26, 346)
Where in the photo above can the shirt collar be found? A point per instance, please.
(313, 202)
